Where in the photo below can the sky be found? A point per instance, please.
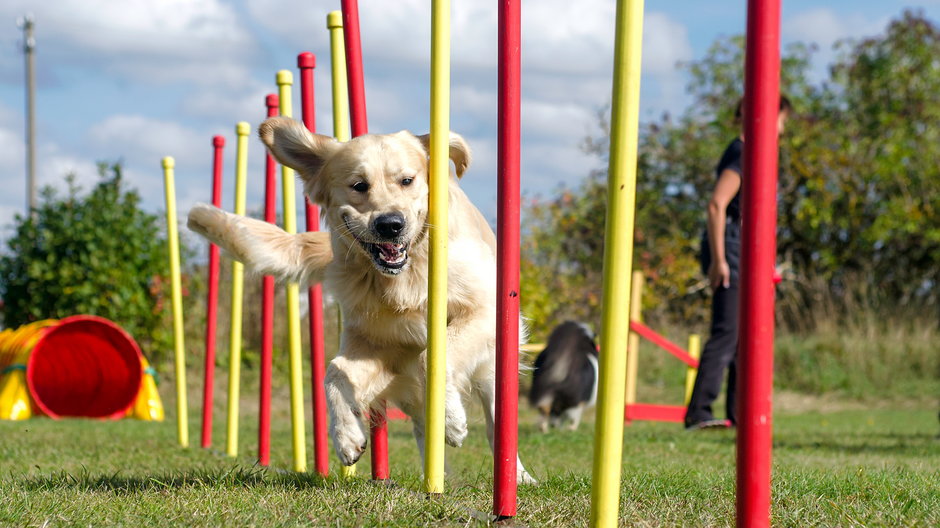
(137, 80)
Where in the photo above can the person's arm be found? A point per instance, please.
(729, 182)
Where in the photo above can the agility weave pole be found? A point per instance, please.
(357, 116)
(758, 252)
(267, 305)
(618, 260)
(633, 340)
(646, 411)
(284, 81)
(172, 236)
(242, 129)
(306, 62)
(212, 301)
(334, 23)
(439, 174)
(505, 453)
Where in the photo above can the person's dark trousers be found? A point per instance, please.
(721, 348)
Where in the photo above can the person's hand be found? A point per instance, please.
(719, 274)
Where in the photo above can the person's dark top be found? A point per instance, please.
(731, 159)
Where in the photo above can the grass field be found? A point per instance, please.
(834, 465)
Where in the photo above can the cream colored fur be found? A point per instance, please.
(382, 353)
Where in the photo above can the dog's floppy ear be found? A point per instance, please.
(294, 146)
(459, 151)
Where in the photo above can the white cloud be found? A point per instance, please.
(549, 120)
(200, 41)
(147, 138)
(824, 27)
(207, 54)
(304, 28)
(572, 39)
(12, 155)
(13, 171)
(54, 166)
(546, 165)
(665, 43)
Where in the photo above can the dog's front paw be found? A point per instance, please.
(350, 443)
(455, 431)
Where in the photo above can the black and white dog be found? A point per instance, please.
(565, 379)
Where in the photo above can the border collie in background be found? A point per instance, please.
(565, 379)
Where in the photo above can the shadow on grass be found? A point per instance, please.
(235, 477)
(894, 444)
(863, 442)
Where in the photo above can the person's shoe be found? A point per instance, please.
(713, 423)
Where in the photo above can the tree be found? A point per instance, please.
(97, 254)
(859, 190)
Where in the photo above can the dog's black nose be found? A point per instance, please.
(389, 225)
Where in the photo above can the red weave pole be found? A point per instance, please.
(355, 80)
(307, 61)
(359, 125)
(650, 335)
(758, 252)
(507, 262)
(267, 305)
(212, 308)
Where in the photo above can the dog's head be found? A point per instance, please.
(373, 189)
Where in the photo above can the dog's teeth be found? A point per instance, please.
(392, 253)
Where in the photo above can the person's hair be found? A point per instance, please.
(785, 106)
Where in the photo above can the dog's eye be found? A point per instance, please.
(407, 181)
(360, 187)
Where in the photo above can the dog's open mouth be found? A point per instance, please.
(388, 256)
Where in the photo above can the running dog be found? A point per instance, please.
(565, 379)
(373, 191)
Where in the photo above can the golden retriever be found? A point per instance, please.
(373, 191)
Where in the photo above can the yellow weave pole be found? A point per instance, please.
(242, 130)
(695, 350)
(618, 261)
(284, 82)
(633, 342)
(172, 237)
(437, 264)
(334, 23)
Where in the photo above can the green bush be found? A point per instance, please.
(98, 254)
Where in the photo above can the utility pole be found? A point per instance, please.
(29, 48)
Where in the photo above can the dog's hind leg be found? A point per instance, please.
(574, 414)
(417, 429)
(545, 410)
(263, 247)
(416, 413)
(487, 392)
(455, 414)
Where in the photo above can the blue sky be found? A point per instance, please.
(140, 79)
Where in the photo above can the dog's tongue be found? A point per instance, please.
(391, 252)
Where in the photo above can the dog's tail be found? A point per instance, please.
(265, 248)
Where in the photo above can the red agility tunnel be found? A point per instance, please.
(84, 366)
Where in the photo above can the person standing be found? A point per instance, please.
(721, 261)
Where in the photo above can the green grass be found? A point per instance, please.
(873, 361)
(835, 467)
